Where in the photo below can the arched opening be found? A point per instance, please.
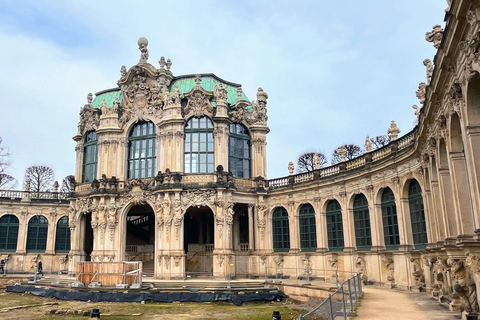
(280, 230)
(8, 233)
(140, 237)
(240, 227)
(334, 226)
(390, 220)
(361, 218)
(308, 228)
(198, 240)
(417, 215)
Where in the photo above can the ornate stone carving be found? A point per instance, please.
(291, 168)
(89, 119)
(220, 94)
(142, 46)
(360, 265)
(417, 273)
(259, 109)
(393, 131)
(198, 198)
(261, 217)
(333, 261)
(388, 262)
(198, 101)
(368, 144)
(177, 217)
(417, 111)
(473, 263)
(435, 36)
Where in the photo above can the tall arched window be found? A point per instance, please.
(361, 218)
(390, 220)
(8, 233)
(62, 239)
(239, 151)
(199, 148)
(141, 151)
(308, 230)
(37, 234)
(90, 155)
(280, 230)
(334, 226)
(417, 215)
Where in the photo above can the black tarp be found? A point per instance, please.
(97, 296)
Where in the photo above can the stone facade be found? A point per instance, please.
(420, 193)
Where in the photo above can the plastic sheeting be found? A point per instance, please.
(111, 296)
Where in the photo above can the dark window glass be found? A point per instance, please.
(198, 146)
(8, 233)
(37, 234)
(334, 226)
(361, 217)
(90, 155)
(239, 158)
(280, 230)
(390, 220)
(62, 241)
(417, 215)
(308, 231)
(141, 151)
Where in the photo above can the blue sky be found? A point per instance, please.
(335, 71)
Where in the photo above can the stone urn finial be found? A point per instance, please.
(316, 161)
(342, 151)
(291, 167)
(393, 131)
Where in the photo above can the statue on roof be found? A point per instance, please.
(291, 167)
(177, 94)
(435, 36)
(142, 46)
(368, 144)
(428, 64)
(421, 92)
(220, 93)
(123, 71)
(89, 98)
(417, 111)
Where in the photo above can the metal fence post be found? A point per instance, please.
(350, 294)
(360, 289)
(355, 288)
(343, 303)
(331, 317)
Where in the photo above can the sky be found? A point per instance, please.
(334, 71)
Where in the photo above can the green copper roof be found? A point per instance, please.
(186, 83)
(109, 96)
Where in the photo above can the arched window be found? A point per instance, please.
(37, 234)
(239, 151)
(62, 240)
(334, 226)
(8, 233)
(417, 215)
(308, 231)
(141, 151)
(90, 155)
(390, 220)
(361, 218)
(199, 148)
(280, 230)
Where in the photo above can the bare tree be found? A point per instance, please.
(6, 180)
(306, 161)
(353, 151)
(67, 186)
(41, 178)
(380, 141)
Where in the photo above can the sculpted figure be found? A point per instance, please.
(393, 131)
(417, 110)
(428, 64)
(421, 92)
(368, 144)
(123, 71)
(89, 98)
(316, 161)
(142, 46)
(291, 167)
(177, 94)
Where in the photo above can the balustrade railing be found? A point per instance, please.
(16, 194)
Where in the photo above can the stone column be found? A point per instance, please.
(447, 201)
(52, 231)
(404, 225)
(22, 234)
(294, 230)
(463, 199)
(79, 159)
(376, 224)
(348, 230)
(321, 227)
(251, 239)
(472, 155)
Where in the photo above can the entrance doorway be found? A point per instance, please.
(140, 237)
(198, 240)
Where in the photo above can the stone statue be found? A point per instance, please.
(239, 93)
(435, 36)
(291, 167)
(342, 151)
(142, 46)
(368, 144)
(220, 93)
(89, 98)
(116, 105)
(177, 95)
(103, 107)
(162, 62)
(316, 161)
(169, 64)
(428, 64)
(421, 92)
(393, 131)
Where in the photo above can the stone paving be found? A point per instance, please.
(392, 304)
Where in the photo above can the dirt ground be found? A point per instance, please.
(148, 310)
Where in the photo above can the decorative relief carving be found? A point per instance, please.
(388, 262)
(89, 119)
(198, 104)
(360, 265)
(417, 273)
(435, 36)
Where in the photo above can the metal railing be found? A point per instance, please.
(341, 302)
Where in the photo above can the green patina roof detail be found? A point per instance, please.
(208, 83)
(109, 97)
